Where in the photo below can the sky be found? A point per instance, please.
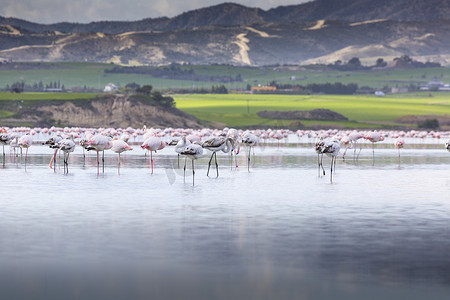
(85, 11)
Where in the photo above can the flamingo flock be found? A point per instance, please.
(190, 143)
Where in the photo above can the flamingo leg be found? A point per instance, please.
(184, 170)
(52, 159)
(318, 163)
(98, 163)
(373, 154)
(67, 163)
(360, 148)
(64, 162)
(193, 172)
(248, 160)
(331, 173)
(178, 160)
(151, 159)
(209, 164)
(231, 161)
(118, 165)
(103, 160)
(26, 154)
(321, 164)
(217, 165)
(343, 155)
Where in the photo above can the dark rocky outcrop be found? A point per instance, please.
(316, 114)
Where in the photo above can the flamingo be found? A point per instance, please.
(99, 143)
(319, 146)
(354, 137)
(153, 143)
(25, 142)
(83, 143)
(193, 152)
(374, 137)
(179, 147)
(53, 144)
(119, 146)
(4, 139)
(179, 144)
(125, 137)
(67, 146)
(331, 149)
(249, 140)
(14, 142)
(399, 143)
(214, 145)
(346, 142)
(234, 135)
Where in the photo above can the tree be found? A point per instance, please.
(354, 62)
(145, 90)
(380, 63)
(132, 85)
(220, 89)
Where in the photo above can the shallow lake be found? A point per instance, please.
(380, 231)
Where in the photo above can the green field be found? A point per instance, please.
(92, 75)
(239, 110)
(5, 96)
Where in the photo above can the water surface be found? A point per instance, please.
(280, 231)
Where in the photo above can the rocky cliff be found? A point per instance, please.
(105, 111)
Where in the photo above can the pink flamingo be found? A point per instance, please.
(319, 146)
(346, 142)
(374, 137)
(249, 140)
(332, 148)
(99, 143)
(53, 144)
(193, 152)
(214, 145)
(234, 135)
(4, 139)
(399, 143)
(119, 146)
(153, 143)
(354, 137)
(67, 146)
(25, 142)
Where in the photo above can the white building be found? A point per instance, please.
(110, 87)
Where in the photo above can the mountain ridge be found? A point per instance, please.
(232, 14)
(230, 33)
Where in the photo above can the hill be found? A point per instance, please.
(103, 111)
(265, 44)
(229, 14)
(318, 31)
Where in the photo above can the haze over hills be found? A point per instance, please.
(317, 31)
